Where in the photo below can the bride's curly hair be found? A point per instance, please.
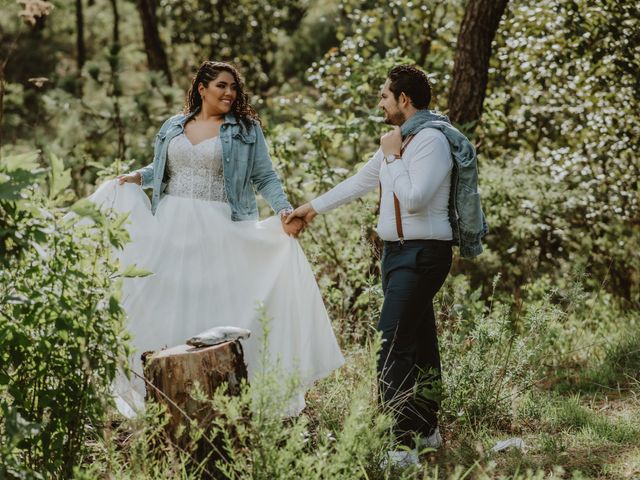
(209, 71)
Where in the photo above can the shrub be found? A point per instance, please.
(490, 357)
(61, 325)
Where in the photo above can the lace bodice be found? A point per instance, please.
(195, 171)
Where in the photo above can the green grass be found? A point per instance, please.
(619, 369)
(571, 436)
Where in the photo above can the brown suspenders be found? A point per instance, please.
(396, 202)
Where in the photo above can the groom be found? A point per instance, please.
(418, 223)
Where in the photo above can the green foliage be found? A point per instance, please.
(61, 325)
(16, 429)
(251, 437)
(420, 29)
(248, 443)
(561, 184)
(479, 393)
(568, 426)
(136, 449)
(245, 32)
(559, 181)
(16, 174)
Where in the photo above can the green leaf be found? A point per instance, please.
(119, 221)
(114, 305)
(86, 208)
(59, 178)
(12, 184)
(132, 271)
(16, 427)
(24, 161)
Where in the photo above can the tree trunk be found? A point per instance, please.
(156, 56)
(116, 22)
(471, 65)
(174, 372)
(80, 45)
(116, 84)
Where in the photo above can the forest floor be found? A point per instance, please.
(585, 424)
(581, 421)
(576, 436)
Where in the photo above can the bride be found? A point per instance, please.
(213, 262)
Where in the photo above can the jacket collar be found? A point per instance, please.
(416, 122)
(184, 118)
(230, 118)
(249, 136)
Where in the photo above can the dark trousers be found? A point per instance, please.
(409, 363)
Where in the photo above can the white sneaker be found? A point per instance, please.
(433, 441)
(400, 459)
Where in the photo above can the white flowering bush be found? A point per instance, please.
(558, 133)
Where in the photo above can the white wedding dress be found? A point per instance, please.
(211, 271)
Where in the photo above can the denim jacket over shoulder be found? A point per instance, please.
(467, 220)
(246, 165)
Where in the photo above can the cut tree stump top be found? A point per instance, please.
(175, 372)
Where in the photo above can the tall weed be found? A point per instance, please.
(257, 442)
(490, 355)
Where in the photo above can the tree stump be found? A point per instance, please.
(174, 373)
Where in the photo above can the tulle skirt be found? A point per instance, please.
(211, 271)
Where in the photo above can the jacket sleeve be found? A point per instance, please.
(147, 175)
(147, 172)
(263, 176)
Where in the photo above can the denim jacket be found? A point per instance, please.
(246, 165)
(465, 213)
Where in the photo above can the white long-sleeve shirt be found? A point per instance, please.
(421, 180)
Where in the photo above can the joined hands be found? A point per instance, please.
(299, 219)
(294, 228)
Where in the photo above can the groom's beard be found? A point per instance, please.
(396, 118)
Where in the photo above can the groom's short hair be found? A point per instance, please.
(413, 82)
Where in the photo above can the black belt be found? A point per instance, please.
(420, 242)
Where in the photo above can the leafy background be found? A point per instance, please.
(539, 335)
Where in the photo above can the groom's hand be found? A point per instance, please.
(304, 212)
(391, 142)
